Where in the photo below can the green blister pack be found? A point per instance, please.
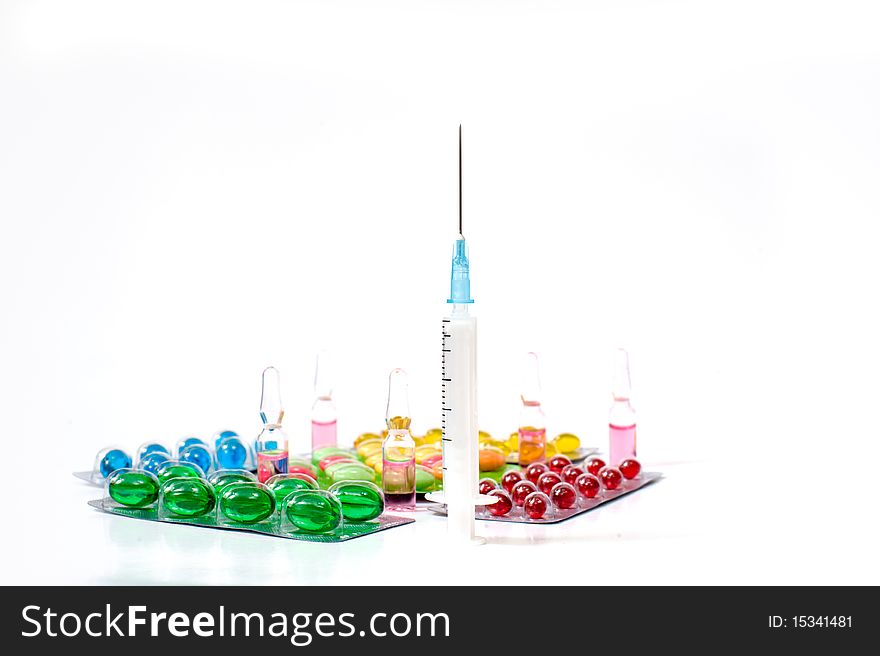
(233, 501)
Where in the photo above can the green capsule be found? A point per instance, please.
(135, 489)
(188, 497)
(319, 454)
(324, 481)
(247, 503)
(176, 469)
(283, 484)
(314, 511)
(333, 466)
(354, 471)
(497, 474)
(425, 480)
(360, 501)
(220, 479)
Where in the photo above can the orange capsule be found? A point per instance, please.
(491, 459)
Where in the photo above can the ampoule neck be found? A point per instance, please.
(398, 424)
(622, 413)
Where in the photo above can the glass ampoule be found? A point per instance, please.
(622, 417)
(271, 444)
(399, 448)
(532, 422)
(323, 410)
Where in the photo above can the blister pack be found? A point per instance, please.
(526, 503)
(229, 451)
(286, 506)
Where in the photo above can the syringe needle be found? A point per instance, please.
(459, 182)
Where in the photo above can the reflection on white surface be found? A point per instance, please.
(117, 550)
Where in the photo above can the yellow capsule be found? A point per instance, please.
(550, 450)
(371, 461)
(399, 453)
(513, 441)
(363, 437)
(425, 451)
(433, 436)
(372, 440)
(369, 447)
(495, 444)
(378, 467)
(566, 442)
(419, 439)
(485, 437)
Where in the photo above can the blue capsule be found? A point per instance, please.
(198, 454)
(152, 461)
(114, 459)
(231, 453)
(151, 447)
(189, 441)
(222, 435)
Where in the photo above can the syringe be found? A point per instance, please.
(458, 384)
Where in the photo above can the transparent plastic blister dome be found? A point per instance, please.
(285, 484)
(106, 461)
(177, 469)
(223, 477)
(249, 504)
(361, 501)
(199, 455)
(186, 498)
(131, 489)
(311, 511)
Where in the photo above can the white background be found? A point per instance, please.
(190, 191)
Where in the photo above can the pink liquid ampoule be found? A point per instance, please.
(622, 418)
(323, 410)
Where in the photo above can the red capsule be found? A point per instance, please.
(536, 505)
(487, 485)
(296, 469)
(329, 460)
(430, 461)
(503, 505)
(570, 473)
(558, 462)
(588, 485)
(521, 490)
(611, 477)
(510, 479)
(547, 480)
(630, 468)
(563, 495)
(594, 465)
(534, 470)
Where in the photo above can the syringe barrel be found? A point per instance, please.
(460, 429)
